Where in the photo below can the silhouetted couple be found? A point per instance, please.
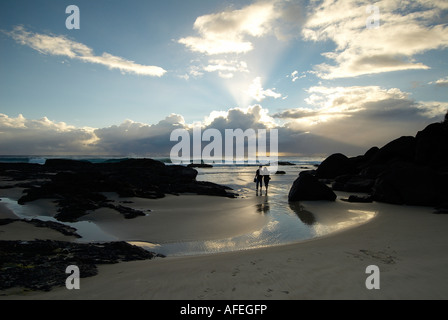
(262, 175)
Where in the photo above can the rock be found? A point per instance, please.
(353, 183)
(62, 228)
(199, 165)
(22, 171)
(128, 213)
(66, 164)
(442, 209)
(359, 199)
(77, 186)
(402, 149)
(285, 163)
(370, 154)
(335, 165)
(203, 188)
(432, 145)
(407, 183)
(180, 173)
(408, 170)
(308, 187)
(41, 264)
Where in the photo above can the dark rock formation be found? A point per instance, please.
(408, 183)
(41, 264)
(308, 187)
(62, 228)
(442, 209)
(400, 149)
(432, 145)
(353, 183)
(77, 186)
(359, 199)
(285, 163)
(408, 170)
(199, 165)
(335, 165)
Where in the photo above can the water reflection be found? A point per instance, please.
(304, 215)
(263, 207)
(288, 222)
(88, 230)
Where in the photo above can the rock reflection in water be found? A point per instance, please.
(305, 216)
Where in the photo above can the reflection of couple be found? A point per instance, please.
(262, 174)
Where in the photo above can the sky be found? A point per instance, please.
(330, 76)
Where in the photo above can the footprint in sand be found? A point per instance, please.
(268, 292)
(386, 256)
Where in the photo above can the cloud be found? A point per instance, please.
(226, 68)
(233, 32)
(335, 119)
(195, 71)
(62, 46)
(21, 136)
(253, 117)
(229, 31)
(404, 32)
(295, 76)
(443, 82)
(257, 92)
(378, 103)
(43, 136)
(361, 116)
(135, 138)
(297, 113)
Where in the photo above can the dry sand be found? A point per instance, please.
(408, 244)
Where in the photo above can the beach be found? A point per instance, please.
(134, 136)
(407, 244)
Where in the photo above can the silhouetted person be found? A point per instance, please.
(266, 176)
(259, 178)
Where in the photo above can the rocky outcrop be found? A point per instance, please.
(285, 163)
(59, 227)
(334, 166)
(408, 183)
(199, 165)
(408, 170)
(41, 264)
(307, 187)
(78, 186)
(353, 183)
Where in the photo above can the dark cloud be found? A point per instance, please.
(295, 114)
(42, 137)
(133, 138)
